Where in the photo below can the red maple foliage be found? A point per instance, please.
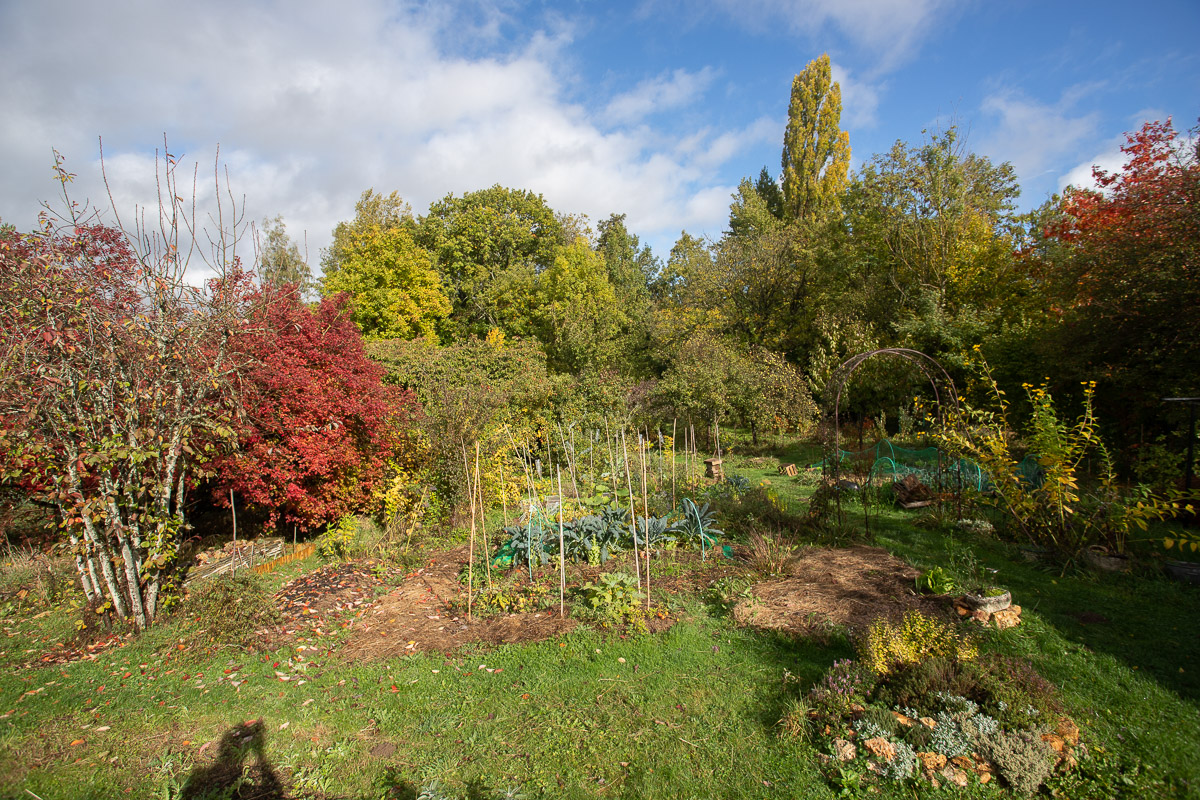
(319, 425)
(1133, 245)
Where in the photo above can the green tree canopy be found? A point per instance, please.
(578, 318)
(372, 209)
(489, 246)
(396, 293)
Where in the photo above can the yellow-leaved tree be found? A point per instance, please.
(816, 151)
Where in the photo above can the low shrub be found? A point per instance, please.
(845, 684)
(1013, 691)
(917, 638)
(909, 684)
(340, 539)
(613, 599)
(1023, 758)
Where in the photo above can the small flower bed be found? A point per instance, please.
(917, 704)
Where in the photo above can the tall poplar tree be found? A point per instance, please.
(816, 152)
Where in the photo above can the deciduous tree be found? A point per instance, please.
(115, 370)
(318, 426)
(816, 151)
(489, 246)
(280, 262)
(394, 291)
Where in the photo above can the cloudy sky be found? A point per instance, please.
(654, 108)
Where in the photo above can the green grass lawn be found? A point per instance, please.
(691, 712)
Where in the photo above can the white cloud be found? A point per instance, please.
(860, 99)
(311, 107)
(891, 30)
(1035, 136)
(662, 93)
(1080, 176)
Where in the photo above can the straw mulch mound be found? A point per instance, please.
(847, 588)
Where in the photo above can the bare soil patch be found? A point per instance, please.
(848, 587)
(424, 615)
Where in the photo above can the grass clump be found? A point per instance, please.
(229, 611)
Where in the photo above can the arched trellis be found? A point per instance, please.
(929, 366)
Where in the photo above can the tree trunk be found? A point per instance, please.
(133, 579)
(104, 556)
(99, 546)
(86, 580)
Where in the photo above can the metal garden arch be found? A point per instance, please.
(930, 367)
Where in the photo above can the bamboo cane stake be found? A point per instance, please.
(612, 459)
(503, 492)
(487, 550)
(471, 546)
(562, 561)
(632, 511)
(646, 512)
(570, 459)
(674, 423)
(687, 459)
(658, 433)
(695, 452)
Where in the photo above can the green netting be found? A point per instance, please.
(892, 462)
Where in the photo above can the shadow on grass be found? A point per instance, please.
(241, 769)
(1142, 619)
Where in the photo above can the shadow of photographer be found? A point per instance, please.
(240, 769)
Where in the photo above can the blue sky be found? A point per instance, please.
(654, 109)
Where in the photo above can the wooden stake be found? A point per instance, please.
(562, 561)
(646, 512)
(637, 568)
(674, 423)
(233, 511)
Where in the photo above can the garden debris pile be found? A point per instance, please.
(848, 587)
(234, 556)
(329, 598)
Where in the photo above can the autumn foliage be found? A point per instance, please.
(318, 426)
(1133, 245)
(113, 385)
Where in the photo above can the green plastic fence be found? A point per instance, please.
(892, 462)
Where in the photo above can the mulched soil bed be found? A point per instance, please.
(423, 615)
(821, 588)
(329, 598)
(847, 587)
